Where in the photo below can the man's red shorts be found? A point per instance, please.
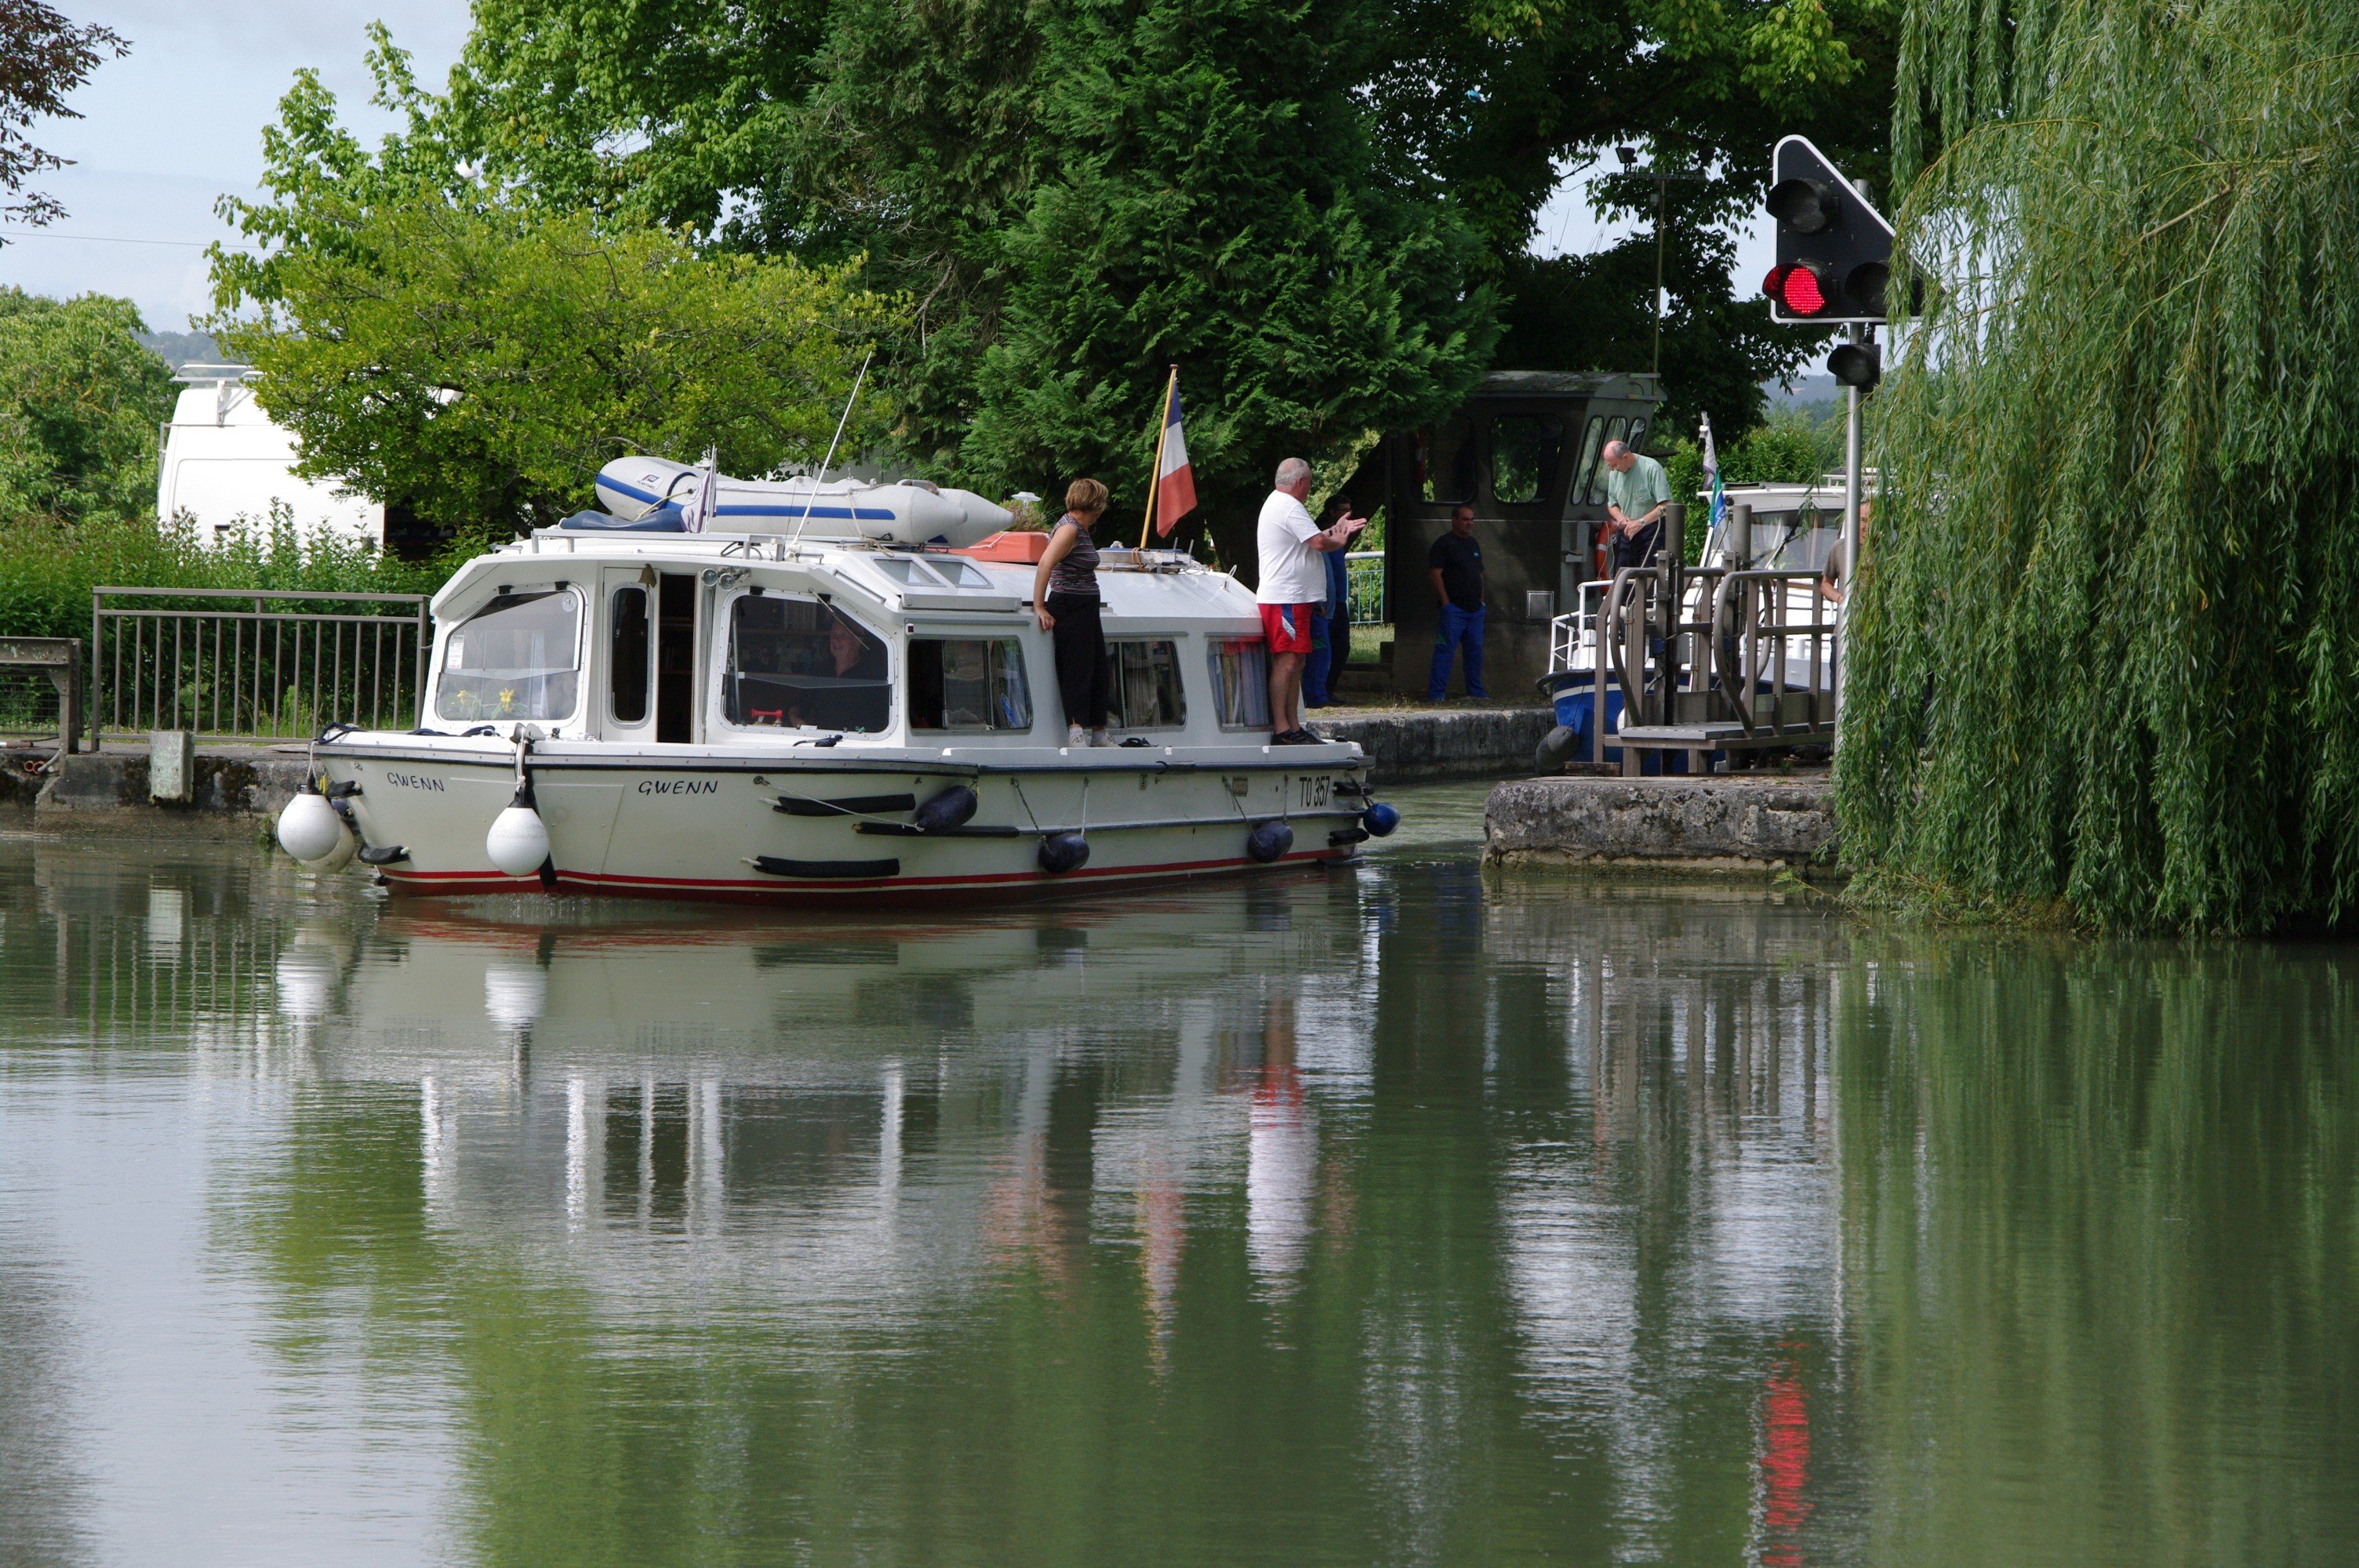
(1288, 627)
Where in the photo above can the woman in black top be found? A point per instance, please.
(1065, 591)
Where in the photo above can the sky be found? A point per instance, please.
(178, 121)
(170, 127)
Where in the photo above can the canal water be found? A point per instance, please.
(1391, 1216)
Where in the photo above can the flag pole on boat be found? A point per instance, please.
(1154, 474)
(810, 495)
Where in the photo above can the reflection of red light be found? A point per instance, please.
(1785, 1465)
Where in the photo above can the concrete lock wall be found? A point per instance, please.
(1717, 822)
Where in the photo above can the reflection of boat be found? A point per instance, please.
(766, 715)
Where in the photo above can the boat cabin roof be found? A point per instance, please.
(1141, 589)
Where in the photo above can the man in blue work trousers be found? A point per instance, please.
(1455, 563)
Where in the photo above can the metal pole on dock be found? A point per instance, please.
(1850, 527)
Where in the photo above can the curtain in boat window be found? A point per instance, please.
(1146, 688)
(1241, 682)
(968, 682)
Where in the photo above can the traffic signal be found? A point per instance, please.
(1856, 365)
(1835, 250)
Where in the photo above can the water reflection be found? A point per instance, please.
(1391, 1217)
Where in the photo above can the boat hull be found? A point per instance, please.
(834, 829)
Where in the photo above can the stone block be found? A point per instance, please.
(1725, 822)
(171, 766)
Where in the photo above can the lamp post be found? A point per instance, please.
(1633, 170)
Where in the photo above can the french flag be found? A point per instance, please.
(1175, 481)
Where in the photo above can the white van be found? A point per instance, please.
(226, 462)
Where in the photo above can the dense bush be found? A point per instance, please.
(49, 566)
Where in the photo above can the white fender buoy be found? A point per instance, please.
(348, 844)
(308, 827)
(518, 840)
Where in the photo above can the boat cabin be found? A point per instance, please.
(707, 640)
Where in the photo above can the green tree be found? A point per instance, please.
(2107, 648)
(921, 134)
(479, 362)
(1214, 197)
(80, 399)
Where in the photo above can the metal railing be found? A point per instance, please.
(1777, 644)
(1363, 581)
(254, 662)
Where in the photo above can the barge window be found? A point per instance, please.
(1445, 462)
(626, 661)
(1593, 442)
(795, 662)
(1241, 682)
(1146, 688)
(1616, 430)
(1524, 448)
(515, 658)
(968, 682)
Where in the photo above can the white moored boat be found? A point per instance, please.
(620, 706)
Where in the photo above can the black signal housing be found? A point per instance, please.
(1833, 246)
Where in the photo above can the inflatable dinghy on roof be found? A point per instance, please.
(907, 513)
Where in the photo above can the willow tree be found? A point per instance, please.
(2107, 651)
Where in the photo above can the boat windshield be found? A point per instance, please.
(794, 661)
(515, 658)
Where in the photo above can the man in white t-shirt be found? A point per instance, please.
(1293, 584)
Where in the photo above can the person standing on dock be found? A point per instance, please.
(1455, 564)
(1293, 584)
(1637, 491)
(1065, 596)
(1330, 628)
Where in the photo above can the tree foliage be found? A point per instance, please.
(480, 361)
(43, 58)
(2108, 648)
(1317, 208)
(80, 398)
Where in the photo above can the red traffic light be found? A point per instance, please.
(1801, 289)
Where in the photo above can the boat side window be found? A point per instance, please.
(626, 661)
(1241, 682)
(1147, 694)
(518, 658)
(794, 661)
(968, 682)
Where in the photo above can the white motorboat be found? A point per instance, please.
(766, 714)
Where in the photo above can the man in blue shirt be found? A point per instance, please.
(1330, 630)
(1455, 564)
